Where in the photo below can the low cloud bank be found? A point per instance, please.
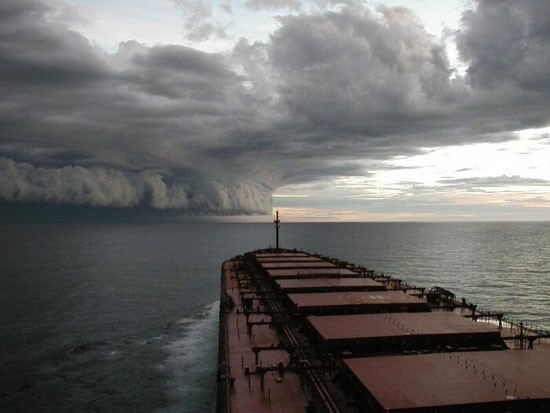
(100, 187)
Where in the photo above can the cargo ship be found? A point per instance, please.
(301, 332)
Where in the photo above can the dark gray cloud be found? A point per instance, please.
(365, 80)
(37, 52)
(101, 187)
(176, 128)
(507, 43)
(129, 120)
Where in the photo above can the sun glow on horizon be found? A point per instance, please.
(448, 182)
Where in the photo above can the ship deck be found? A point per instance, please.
(304, 333)
(280, 392)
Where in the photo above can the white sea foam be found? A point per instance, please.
(188, 320)
(192, 363)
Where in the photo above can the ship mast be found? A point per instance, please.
(277, 222)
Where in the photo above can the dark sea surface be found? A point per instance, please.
(123, 317)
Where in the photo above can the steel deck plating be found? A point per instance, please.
(304, 333)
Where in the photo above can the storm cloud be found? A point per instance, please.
(173, 127)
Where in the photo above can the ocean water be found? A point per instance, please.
(123, 317)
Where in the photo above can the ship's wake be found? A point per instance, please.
(191, 362)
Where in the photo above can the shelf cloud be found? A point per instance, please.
(173, 127)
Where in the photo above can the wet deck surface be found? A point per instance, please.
(334, 284)
(361, 300)
(424, 381)
(247, 396)
(298, 265)
(310, 272)
(393, 382)
(288, 259)
(397, 325)
(290, 255)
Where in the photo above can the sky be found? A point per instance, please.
(326, 110)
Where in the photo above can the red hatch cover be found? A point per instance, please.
(454, 379)
(297, 265)
(328, 283)
(355, 298)
(310, 272)
(342, 327)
